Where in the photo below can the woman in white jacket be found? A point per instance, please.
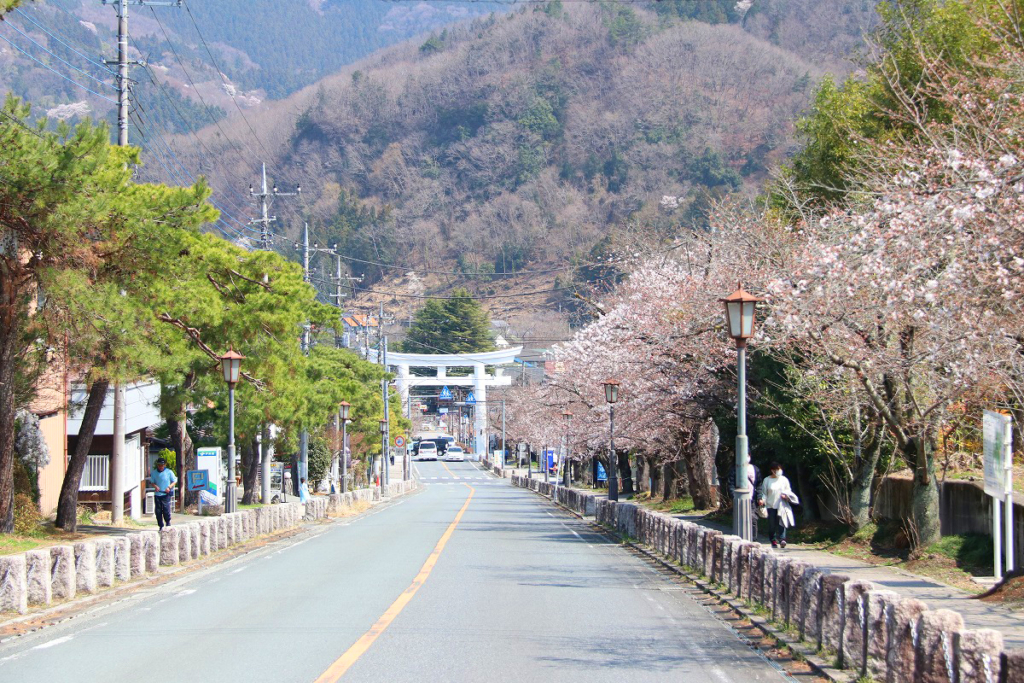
(778, 497)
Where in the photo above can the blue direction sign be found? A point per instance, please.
(471, 399)
(446, 394)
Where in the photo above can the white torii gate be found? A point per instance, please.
(479, 380)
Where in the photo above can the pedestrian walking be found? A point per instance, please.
(303, 491)
(778, 497)
(164, 479)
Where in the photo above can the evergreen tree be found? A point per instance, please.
(455, 325)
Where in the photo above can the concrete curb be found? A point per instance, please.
(901, 641)
(112, 562)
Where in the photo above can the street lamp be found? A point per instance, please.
(383, 453)
(611, 396)
(343, 411)
(739, 316)
(566, 477)
(231, 365)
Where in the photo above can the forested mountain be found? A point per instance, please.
(265, 49)
(526, 138)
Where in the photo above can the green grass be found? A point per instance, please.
(10, 545)
(250, 506)
(969, 551)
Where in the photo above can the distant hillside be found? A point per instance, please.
(525, 139)
(266, 49)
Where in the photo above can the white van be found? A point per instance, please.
(427, 451)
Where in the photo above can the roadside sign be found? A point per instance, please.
(197, 480)
(471, 399)
(399, 441)
(209, 460)
(601, 474)
(997, 436)
(442, 411)
(446, 394)
(994, 431)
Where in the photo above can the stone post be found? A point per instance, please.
(902, 638)
(137, 562)
(808, 601)
(122, 559)
(184, 543)
(39, 586)
(105, 562)
(855, 623)
(63, 580)
(977, 655)
(13, 584)
(151, 547)
(85, 567)
(833, 613)
(937, 631)
(169, 546)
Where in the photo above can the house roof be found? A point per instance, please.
(360, 320)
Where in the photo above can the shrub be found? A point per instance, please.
(26, 515)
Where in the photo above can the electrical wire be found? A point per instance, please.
(59, 59)
(192, 83)
(223, 80)
(48, 68)
(42, 28)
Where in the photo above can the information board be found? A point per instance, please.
(995, 427)
(209, 460)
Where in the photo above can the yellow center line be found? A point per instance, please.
(336, 670)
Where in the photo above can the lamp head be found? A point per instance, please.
(231, 365)
(611, 390)
(739, 314)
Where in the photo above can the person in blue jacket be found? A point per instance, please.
(164, 480)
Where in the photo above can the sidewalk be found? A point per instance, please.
(976, 614)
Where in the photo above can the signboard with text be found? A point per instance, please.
(995, 427)
(197, 480)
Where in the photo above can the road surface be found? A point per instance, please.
(468, 579)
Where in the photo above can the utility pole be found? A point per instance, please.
(338, 280)
(266, 198)
(117, 482)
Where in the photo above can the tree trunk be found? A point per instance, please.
(250, 468)
(67, 504)
(8, 410)
(177, 426)
(926, 493)
(295, 473)
(625, 475)
(700, 465)
(669, 474)
(643, 471)
(860, 489)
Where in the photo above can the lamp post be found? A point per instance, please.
(383, 454)
(739, 316)
(343, 411)
(611, 397)
(566, 476)
(230, 365)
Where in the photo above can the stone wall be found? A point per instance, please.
(41, 577)
(872, 632)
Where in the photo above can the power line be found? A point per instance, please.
(42, 28)
(59, 59)
(192, 83)
(48, 68)
(224, 81)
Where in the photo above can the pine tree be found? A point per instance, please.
(454, 325)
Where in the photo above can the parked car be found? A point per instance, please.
(454, 454)
(427, 450)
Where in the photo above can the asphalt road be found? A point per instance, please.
(516, 590)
